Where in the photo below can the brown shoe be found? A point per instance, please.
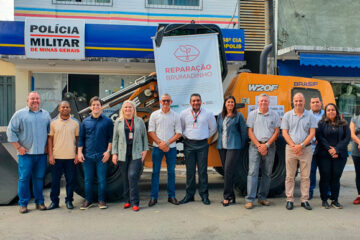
(173, 201)
(86, 205)
(264, 202)
(102, 205)
(249, 205)
(23, 209)
(41, 207)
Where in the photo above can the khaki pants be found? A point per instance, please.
(291, 161)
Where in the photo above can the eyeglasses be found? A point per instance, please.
(166, 100)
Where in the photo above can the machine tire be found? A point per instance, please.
(277, 185)
(114, 187)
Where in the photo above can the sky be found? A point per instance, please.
(7, 10)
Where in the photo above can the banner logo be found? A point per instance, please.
(187, 53)
(262, 87)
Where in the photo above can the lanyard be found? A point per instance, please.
(195, 116)
(132, 121)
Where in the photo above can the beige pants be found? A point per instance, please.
(291, 160)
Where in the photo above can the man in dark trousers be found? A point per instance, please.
(198, 125)
(62, 143)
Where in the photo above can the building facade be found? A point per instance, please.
(118, 45)
(320, 39)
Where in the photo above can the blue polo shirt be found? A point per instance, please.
(30, 129)
(95, 135)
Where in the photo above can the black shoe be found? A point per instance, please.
(186, 199)
(152, 202)
(232, 199)
(311, 195)
(306, 205)
(53, 206)
(69, 205)
(206, 201)
(226, 202)
(289, 205)
(173, 200)
(336, 204)
(325, 204)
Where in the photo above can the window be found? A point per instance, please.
(308, 94)
(84, 2)
(175, 4)
(347, 98)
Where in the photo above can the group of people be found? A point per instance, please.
(316, 138)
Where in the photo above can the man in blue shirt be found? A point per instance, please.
(27, 131)
(94, 150)
(315, 105)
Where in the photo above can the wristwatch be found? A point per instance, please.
(109, 152)
(302, 145)
(267, 145)
(167, 143)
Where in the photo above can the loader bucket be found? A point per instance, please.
(8, 170)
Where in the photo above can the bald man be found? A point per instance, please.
(62, 142)
(298, 129)
(27, 131)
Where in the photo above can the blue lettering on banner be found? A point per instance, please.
(305, 84)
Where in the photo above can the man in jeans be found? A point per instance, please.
(27, 131)
(263, 130)
(164, 129)
(62, 142)
(94, 151)
(298, 128)
(315, 105)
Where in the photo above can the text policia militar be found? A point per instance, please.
(56, 38)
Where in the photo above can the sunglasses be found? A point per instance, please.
(166, 100)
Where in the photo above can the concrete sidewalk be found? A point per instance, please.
(190, 221)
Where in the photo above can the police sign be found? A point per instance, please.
(54, 38)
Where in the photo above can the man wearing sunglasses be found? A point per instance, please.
(198, 125)
(164, 129)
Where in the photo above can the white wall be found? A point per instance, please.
(143, 16)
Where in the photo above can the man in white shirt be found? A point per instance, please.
(164, 129)
(198, 125)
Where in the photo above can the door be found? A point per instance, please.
(84, 85)
(7, 99)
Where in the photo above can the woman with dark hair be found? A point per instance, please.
(231, 139)
(333, 136)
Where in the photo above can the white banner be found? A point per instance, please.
(190, 64)
(54, 38)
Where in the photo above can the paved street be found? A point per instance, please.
(191, 221)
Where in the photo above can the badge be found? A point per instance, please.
(131, 135)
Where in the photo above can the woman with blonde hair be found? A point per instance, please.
(130, 145)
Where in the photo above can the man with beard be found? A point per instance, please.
(198, 125)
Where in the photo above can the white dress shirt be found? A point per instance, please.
(204, 126)
(164, 125)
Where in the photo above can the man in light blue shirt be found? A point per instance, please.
(315, 105)
(27, 131)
